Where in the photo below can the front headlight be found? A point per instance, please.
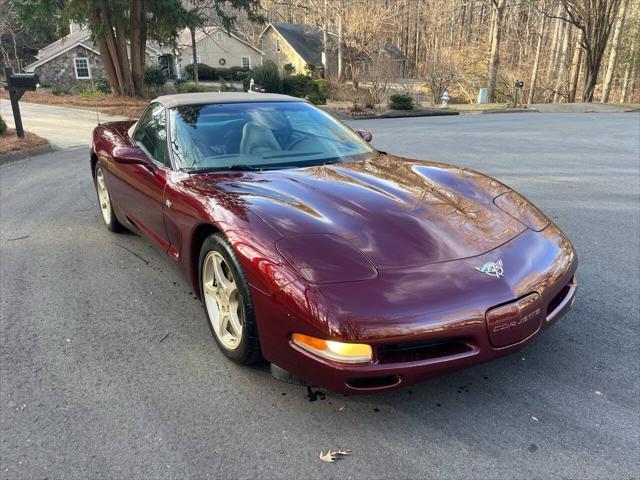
(518, 207)
(332, 350)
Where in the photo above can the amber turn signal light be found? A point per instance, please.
(332, 350)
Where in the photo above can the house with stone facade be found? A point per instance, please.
(74, 59)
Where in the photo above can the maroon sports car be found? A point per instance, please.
(348, 267)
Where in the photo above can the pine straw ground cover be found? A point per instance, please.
(106, 104)
(9, 141)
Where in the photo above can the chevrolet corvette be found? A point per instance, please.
(348, 267)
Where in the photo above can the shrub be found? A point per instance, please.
(154, 76)
(297, 85)
(304, 86)
(205, 72)
(400, 102)
(268, 77)
(62, 89)
(101, 84)
(239, 73)
(289, 69)
(179, 81)
(3, 126)
(319, 94)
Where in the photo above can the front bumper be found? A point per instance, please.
(409, 352)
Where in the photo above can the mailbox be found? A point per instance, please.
(17, 84)
(23, 81)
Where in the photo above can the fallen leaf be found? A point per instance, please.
(328, 457)
(331, 457)
(534, 418)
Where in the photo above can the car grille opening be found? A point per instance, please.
(558, 299)
(364, 383)
(424, 350)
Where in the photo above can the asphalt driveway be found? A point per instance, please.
(108, 369)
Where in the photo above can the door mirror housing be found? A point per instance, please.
(132, 156)
(366, 135)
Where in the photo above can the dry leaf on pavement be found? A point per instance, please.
(331, 457)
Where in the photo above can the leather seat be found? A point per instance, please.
(258, 139)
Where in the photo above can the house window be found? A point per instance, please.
(246, 63)
(219, 36)
(82, 68)
(277, 44)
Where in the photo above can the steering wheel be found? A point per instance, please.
(298, 141)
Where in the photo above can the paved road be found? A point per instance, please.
(63, 127)
(90, 389)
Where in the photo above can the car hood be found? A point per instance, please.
(398, 212)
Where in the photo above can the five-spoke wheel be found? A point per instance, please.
(227, 301)
(221, 299)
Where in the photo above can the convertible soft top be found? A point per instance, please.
(171, 101)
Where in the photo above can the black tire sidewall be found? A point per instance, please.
(249, 349)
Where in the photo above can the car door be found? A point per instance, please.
(142, 195)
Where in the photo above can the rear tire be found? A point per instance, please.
(227, 301)
(104, 201)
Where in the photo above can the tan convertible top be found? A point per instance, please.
(171, 101)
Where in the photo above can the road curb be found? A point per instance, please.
(27, 153)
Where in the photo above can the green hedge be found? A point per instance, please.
(154, 76)
(304, 86)
(400, 102)
(267, 76)
(205, 72)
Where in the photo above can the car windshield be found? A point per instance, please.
(266, 135)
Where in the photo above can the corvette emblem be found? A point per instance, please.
(493, 269)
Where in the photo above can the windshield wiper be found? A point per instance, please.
(241, 167)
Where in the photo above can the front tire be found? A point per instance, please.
(104, 200)
(227, 301)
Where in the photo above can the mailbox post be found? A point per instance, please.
(518, 86)
(17, 84)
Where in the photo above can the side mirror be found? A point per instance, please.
(366, 135)
(132, 156)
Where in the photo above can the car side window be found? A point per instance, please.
(151, 134)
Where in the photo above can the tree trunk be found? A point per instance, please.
(107, 65)
(340, 55)
(325, 41)
(562, 64)
(138, 42)
(576, 63)
(536, 62)
(629, 73)
(111, 50)
(123, 56)
(194, 54)
(613, 55)
(494, 57)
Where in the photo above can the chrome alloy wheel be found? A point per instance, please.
(103, 196)
(222, 300)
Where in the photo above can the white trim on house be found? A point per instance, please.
(248, 61)
(203, 33)
(88, 68)
(34, 65)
